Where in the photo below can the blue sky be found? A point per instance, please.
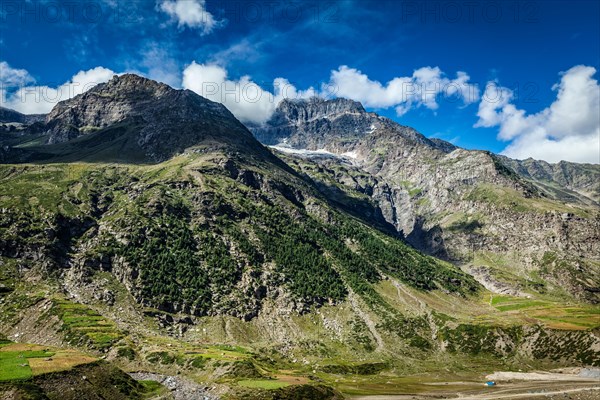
(543, 55)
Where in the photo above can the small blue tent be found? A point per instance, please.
(490, 383)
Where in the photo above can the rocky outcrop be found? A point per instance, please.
(313, 123)
(335, 124)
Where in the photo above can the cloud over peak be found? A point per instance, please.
(423, 88)
(41, 99)
(251, 103)
(12, 77)
(248, 101)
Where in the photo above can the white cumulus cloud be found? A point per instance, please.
(569, 129)
(11, 77)
(423, 88)
(41, 99)
(190, 13)
(247, 100)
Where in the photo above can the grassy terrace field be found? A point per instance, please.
(20, 361)
(30, 371)
(262, 384)
(489, 308)
(552, 314)
(510, 198)
(83, 325)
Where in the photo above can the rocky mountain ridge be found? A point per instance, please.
(7, 115)
(583, 179)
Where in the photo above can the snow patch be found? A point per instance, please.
(347, 157)
(304, 152)
(351, 154)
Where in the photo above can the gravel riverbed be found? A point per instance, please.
(181, 388)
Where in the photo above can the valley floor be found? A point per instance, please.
(589, 390)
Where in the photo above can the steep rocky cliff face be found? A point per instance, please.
(455, 203)
(313, 121)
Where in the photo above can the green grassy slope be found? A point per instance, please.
(256, 257)
(178, 225)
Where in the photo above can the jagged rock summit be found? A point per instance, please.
(317, 123)
(316, 107)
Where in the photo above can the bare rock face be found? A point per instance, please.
(308, 123)
(315, 108)
(336, 124)
(452, 202)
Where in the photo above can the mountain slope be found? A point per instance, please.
(457, 204)
(167, 122)
(560, 180)
(171, 266)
